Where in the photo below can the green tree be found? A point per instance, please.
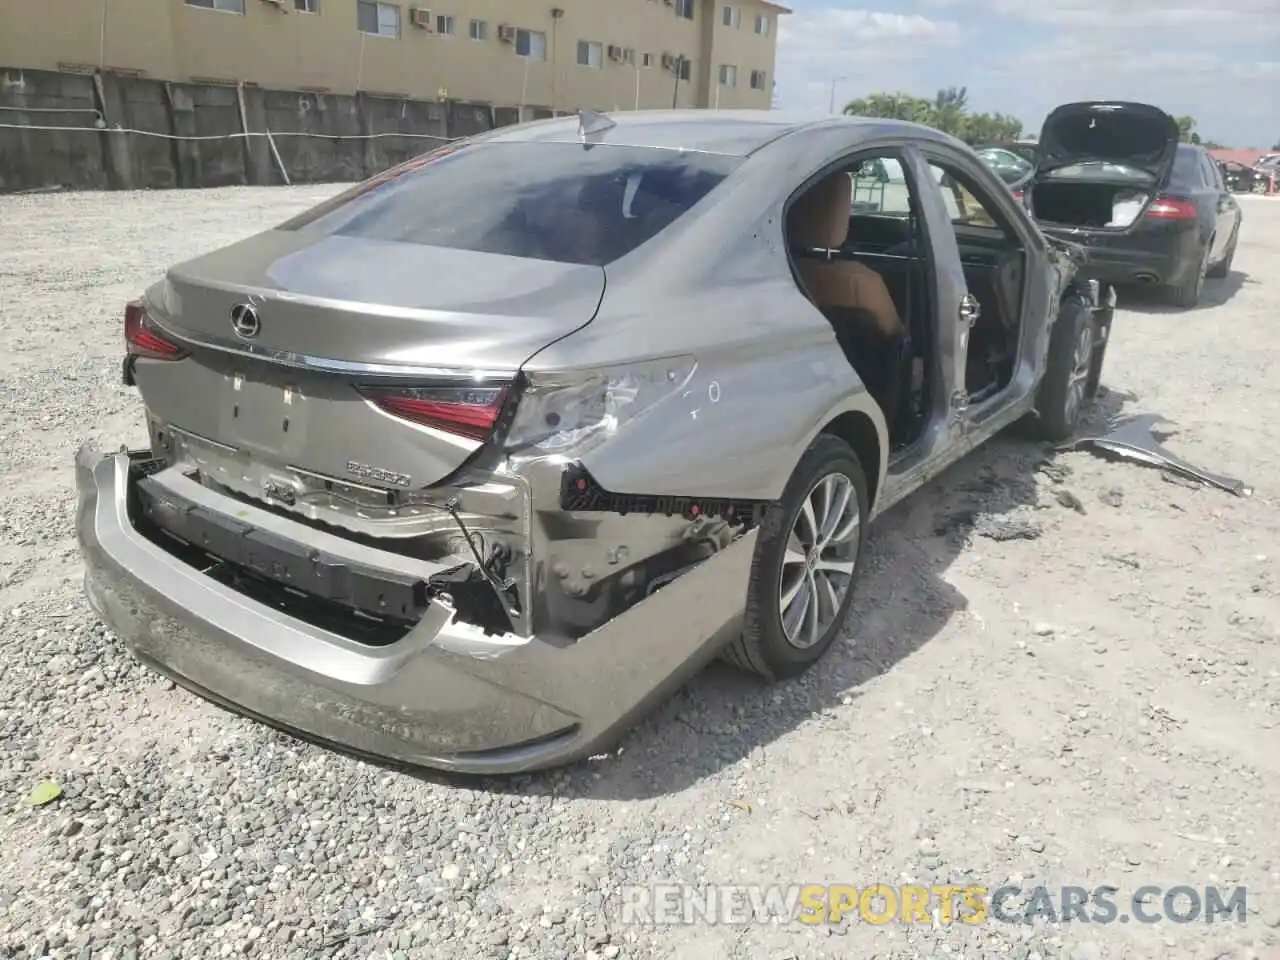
(1187, 130)
(948, 111)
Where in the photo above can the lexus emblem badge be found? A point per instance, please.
(245, 322)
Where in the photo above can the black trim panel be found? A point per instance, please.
(378, 593)
(579, 492)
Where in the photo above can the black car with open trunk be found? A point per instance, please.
(1114, 178)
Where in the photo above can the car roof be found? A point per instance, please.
(735, 133)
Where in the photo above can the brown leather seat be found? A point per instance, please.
(839, 288)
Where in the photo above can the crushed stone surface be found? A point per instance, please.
(1060, 671)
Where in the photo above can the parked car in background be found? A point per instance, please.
(1012, 167)
(1240, 177)
(662, 376)
(1114, 178)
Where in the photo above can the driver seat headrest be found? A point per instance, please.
(820, 217)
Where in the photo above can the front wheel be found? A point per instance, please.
(808, 553)
(1070, 374)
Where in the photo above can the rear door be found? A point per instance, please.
(1226, 209)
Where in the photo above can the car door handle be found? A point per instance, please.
(970, 309)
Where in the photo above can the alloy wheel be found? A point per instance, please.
(1081, 363)
(818, 564)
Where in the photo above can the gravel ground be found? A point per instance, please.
(1095, 705)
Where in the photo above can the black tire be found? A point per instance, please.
(763, 647)
(1221, 269)
(1057, 413)
(1187, 295)
(1102, 329)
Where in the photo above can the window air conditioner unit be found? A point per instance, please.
(615, 53)
(506, 33)
(668, 62)
(421, 18)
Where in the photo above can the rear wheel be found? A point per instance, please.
(807, 558)
(1187, 294)
(1221, 269)
(1071, 372)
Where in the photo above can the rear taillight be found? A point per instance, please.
(1171, 208)
(470, 411)
(143, 340)
(1018, 194)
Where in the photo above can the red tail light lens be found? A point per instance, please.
(142, 340)
(1171, 208)
(467, 411)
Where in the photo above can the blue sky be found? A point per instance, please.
(1217, 60)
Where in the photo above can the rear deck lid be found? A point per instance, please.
(1138, 136)
(376, 336)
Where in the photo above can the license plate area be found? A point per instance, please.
(263, 415)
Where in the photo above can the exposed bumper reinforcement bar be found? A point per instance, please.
(445, 696)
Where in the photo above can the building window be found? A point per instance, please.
(226, 6)
(479, 30)
(728, 75)
(684, 66)
(444, 25)
(732, 17)
(757, 80)
(684, 8)
(762, 25)
(377, 19)
(532, 44)
(307, 6)
(646, 60)
(590, 54)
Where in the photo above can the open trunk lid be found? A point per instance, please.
(364, 361)
(1120, 133)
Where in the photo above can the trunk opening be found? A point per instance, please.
(1097, 206)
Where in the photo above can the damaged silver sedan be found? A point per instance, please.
(470, 465)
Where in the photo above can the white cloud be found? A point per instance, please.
(1228, 97)
(1137, 22)
(1212, 59)
(861, 50)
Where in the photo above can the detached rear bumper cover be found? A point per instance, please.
(443, 696)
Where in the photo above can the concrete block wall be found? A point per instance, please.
(61, 130)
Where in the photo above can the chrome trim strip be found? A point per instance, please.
(302, 361)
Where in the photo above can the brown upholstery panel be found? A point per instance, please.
(820, 217)
(849, 285)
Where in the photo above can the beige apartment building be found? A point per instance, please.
(562, 54)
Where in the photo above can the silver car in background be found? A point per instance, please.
(470, 465)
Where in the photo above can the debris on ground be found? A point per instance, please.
(1069, 500)
(1134, 439)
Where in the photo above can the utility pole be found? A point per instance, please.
(831, 105)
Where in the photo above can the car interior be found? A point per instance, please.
(859, 255)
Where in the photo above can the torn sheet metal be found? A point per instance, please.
(1134, 439)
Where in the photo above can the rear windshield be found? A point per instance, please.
(1185, 163)
(545, 201)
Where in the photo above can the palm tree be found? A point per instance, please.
(949, 108)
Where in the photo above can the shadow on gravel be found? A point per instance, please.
(725, 716)
(1141, 299)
